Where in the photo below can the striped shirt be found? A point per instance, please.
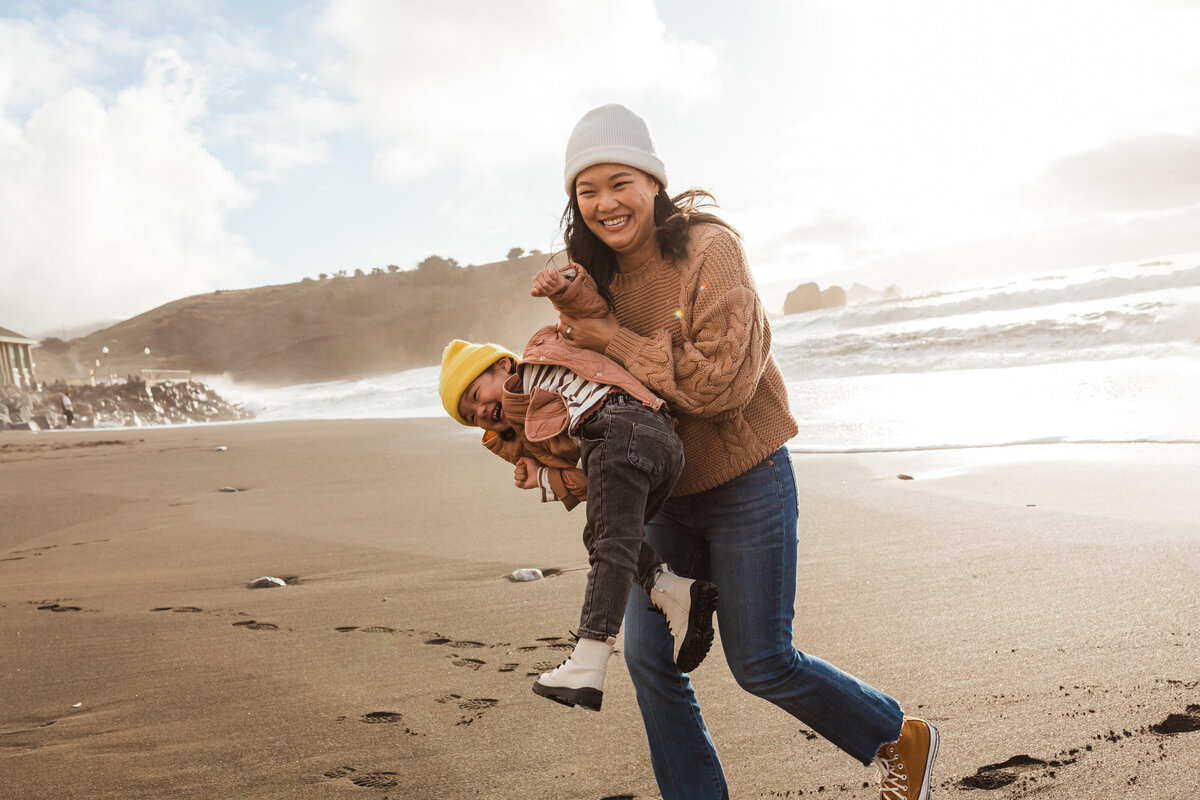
(580, 394)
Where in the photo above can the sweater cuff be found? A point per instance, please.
(546, 484)
(624, 347)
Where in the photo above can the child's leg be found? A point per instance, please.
(632, 458)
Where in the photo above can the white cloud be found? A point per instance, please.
(927, 122)
(32, 66)
(111, 208)
(1146, 173)
(484, 86)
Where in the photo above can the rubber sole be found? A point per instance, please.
(586, 697)
(923, 794)
(699, 637)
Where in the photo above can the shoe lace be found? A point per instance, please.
(893, 782)
(663, 614)
(574, 637)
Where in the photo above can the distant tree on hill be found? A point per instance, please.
(436, 265)
(376, 270)
(52, 344)
(515, 253)
(341, 273)
(535, 252)
(323, 276)
(358, 273)
(393, 268)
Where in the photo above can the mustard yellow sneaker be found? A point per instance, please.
(905, 766)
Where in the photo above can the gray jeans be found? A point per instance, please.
(632, 458)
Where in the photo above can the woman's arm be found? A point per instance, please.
(725, 341)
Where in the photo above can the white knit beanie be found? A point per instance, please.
(612, 134)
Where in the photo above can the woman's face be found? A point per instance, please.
(617, 204)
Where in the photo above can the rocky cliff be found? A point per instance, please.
(117, 405)
(314, 330)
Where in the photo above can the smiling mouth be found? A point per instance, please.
(496, 413)
(615, 222)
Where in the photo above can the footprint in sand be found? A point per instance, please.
(469, 663)
(386, 718)
(254, 625)
(367, 780)
(997, 776)
(376, 780)
(56, 607)
(474, 706)
(461, 643)
(1179, 723)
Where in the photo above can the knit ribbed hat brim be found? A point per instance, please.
(612, 134)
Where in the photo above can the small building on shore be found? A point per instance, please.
(16, 361)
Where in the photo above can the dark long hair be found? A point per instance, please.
(673, 218)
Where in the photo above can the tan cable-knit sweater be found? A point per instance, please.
(695, 334)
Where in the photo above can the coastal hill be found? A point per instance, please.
(316, 330)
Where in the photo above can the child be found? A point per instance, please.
(561, 406)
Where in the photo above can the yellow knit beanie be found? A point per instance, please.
(462, 363)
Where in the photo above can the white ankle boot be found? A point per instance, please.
(578, 681)
(688, 606)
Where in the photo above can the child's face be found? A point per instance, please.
(481, 404)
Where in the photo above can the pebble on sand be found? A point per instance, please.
(526, 574)
(266, 582)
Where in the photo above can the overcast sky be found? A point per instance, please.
(152, 150)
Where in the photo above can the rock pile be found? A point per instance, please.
(119, 405)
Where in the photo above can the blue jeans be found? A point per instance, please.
(741, 535)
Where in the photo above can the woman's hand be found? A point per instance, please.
(590, 333)
(525, 474)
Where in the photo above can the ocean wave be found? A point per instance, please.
(1107, 355)
(798, 448)
(1005, 299)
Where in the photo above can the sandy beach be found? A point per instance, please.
(1039, 604)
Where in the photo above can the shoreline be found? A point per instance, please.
(796, 446)
(1034, 601)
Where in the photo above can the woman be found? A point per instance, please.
(687, 322)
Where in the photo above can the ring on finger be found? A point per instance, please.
(570, 328)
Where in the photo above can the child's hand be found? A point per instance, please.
(525, 473)
(549, 281)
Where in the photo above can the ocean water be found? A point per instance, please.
(1102, 354)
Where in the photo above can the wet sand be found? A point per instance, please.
(1040, 605)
